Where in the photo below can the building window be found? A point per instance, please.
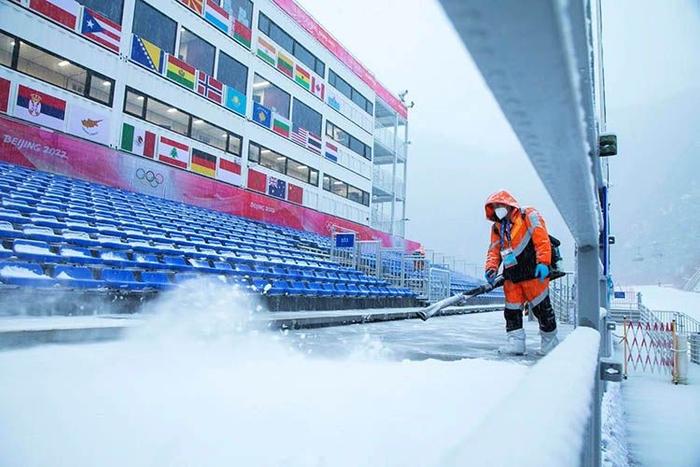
(7, 48)
(209, 134)
(232, 73)
(196, 52)
(269, 95)
(154, 111)
(344, 138)
(305, 117)
(345, 190)
(287, 42)
(351, 93)
(55, 70)
(282, 164)
(242, 10)
(154, 26)
(110, 9)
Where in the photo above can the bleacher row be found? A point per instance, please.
(61, 232)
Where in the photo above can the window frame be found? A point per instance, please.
(89, 73)
(317, 62)
(313, 173)
(172, 46)
(191, 117)
(243, 91)
(213, 49)
(332, 181)
(333, 79)
(121, 11)
(331, 134)
(289, 96)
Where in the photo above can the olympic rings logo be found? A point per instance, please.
(150, 177)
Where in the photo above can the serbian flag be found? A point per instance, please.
(99, 29)
(40, 108)
(64, 12)
(173, 152)
(229, 171)
(4, 94)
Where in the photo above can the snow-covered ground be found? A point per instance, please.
(196, 386)
(670, 299)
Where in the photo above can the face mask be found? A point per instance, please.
(501, 212)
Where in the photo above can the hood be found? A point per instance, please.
(500, 197)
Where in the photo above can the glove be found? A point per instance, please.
(541, 272)
(490, 276)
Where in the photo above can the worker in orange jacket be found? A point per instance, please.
(520, 243)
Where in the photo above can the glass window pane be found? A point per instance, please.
(264, 24)
(167, 117)
(305, 117)
(55, 70)
(154, 26)
(370, 108)
(327, 183)
(339, 135)
(235, 144)
(320, 68)
(358, 99)
(134, 103)
(298, 170)
(196, 52)
(357, 146)
(365, 198)
(281, 37)
(331, 77)
(354, 194)
(304, 56)
(209, 134)
(7, 45)
(253, 152)
(232, 73)
(270, 96)
(339, 188)
(313, 177)
(242, 10)
(101, 89)
(272, 160)
(112, 9)
(343, 87)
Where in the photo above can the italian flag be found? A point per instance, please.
(138, 141)
(173, 152)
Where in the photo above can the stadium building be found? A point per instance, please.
(250, 108)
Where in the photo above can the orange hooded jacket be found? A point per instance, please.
(527, 228)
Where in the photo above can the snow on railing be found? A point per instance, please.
(544, 421)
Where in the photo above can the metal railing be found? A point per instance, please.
(563, 297)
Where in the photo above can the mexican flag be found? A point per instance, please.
(173, 152)
(138, 141)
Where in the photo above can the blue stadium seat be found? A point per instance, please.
(176, 263)
(24, 274)
(279, 287)
(34, 250)
(261, 286)
(121, 279)
(75, 276)
(36, 232)
(77, 255)
(146, 260)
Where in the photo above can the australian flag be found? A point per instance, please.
(276, 187)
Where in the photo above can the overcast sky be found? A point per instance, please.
(462, 147)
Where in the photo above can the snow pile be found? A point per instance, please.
(32, 249)
(19, 272)
(543, 421)
(201, 384)
(613, 433)
(670, 299)
(69, 252)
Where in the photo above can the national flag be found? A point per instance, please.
(257, 180)
(284, 64)
(64, 12)
(300, 135)
(242, 33)
(331, 152)
(313, 143)
(147, 54)
(217, 16)
(266, 51)
(262, 115)
(4, 94)
(89, 123)
(99, 29)
(229, 171)
(280, 125)
(180, 72)
(235, 100)
(295, 193)
(194, 5)
(40, 108)
(203, 163)
(302, 77)
(276, 187)
(210, 87)
(173, 152)
(138, 140)
(318, 87)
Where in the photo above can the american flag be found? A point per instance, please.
(300, 135)
(101, 30)
(209, 87)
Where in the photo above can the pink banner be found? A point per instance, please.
(51, 151)
(317, 31)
